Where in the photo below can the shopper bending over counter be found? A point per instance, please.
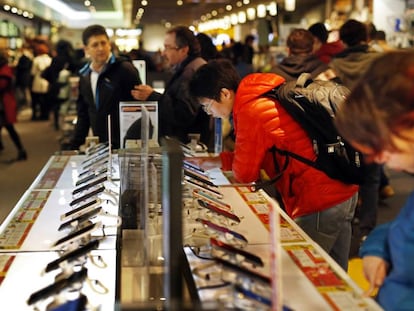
(321, 206)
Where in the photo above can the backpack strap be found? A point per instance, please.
(304, 80)
(263, 184)
(288, 153)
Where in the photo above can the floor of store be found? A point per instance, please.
(41, 141)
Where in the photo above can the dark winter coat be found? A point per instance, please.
(114, 85)
(178, 113)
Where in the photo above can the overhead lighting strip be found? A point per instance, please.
(65, 10)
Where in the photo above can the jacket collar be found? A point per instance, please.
(86, 69)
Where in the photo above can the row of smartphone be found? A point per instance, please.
(80, 222)
(211, 234)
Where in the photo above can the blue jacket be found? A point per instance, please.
(394, 242)
(115, 83)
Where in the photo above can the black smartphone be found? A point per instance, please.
(73, 255)
(231, 250)
(89, 185)
(75, 222)
(81, 209)
(87, 195)
(58, 286)
(199, 177)
(193, 166)
(76, 235)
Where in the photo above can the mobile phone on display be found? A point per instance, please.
(58, 286)
(218, 210)
(89, 185)
(91, 174)
(87, 196)
(199, 177)
(77, 235)
(193, 166)
(88, 206)
(234, 251)
(97, 160)
(75, 222)
(72, 255)
(203, 187)
(96, 154)
(93, 149)
(222, 230)
(206, 197)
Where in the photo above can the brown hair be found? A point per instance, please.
(300, 41)
(381, 104)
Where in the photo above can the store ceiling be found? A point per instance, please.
(162, 11)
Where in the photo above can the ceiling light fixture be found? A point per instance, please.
(251, 13)
(261, 11)
(272, 8)
(290, 5)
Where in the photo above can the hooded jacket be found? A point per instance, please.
(260, 123)
(292, 66)
(352, 62)
(178, 113)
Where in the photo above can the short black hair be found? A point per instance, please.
(210, 78)
(353, 32)
(319, 31)
(93, 30)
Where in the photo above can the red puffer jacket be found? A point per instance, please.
(260, 123)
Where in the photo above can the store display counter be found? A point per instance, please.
(126, 266)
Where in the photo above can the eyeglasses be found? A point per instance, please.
(207, 106)
(169, 47)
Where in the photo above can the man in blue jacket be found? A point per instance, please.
(104, 82)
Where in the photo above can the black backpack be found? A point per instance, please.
(313, 105)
